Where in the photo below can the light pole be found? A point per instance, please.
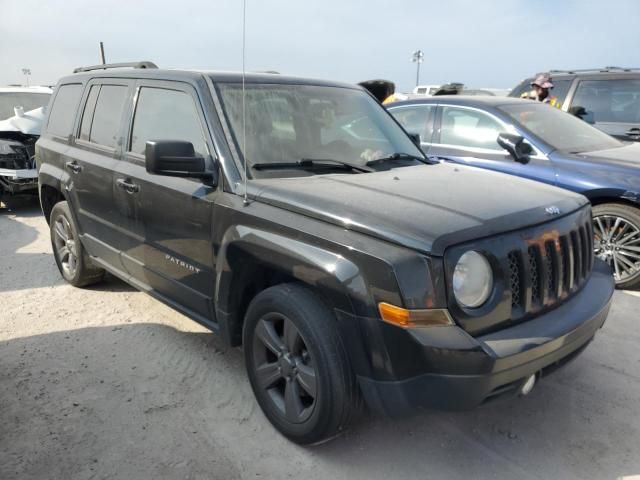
(26, 72)
(417, 57)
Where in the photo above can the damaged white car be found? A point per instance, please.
(22, 113)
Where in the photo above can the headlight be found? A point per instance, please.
(472, 280)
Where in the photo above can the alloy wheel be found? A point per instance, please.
(65, 245)
(284, 368)
(617, 241)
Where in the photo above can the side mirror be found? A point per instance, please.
(415, 138)
(175, 159)
(519, 150)
(582, 113)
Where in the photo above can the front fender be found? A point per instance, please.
(340, 281)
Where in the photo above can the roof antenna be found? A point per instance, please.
(244, 119)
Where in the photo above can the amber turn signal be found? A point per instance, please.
(404, 318)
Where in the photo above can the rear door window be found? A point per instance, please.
(107, 116)
(63, 110)
(616, 101)
(164, 114)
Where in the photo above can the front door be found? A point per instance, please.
(168, 220)
(612, 105)
(468, 135)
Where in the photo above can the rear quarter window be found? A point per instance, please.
(63, 110)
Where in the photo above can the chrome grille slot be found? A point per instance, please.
(550, 268)
(534, 275)
(515, 266)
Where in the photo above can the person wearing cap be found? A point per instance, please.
(540, 92)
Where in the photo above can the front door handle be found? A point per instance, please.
(73, 166)
(127, 185)
(633, 133)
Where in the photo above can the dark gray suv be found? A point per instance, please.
(609, 98)
(296, 218)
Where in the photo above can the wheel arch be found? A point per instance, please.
(250, 260)
(620, 196)
(50, 194)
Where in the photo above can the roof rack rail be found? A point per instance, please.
(603, 69)
(116, 65)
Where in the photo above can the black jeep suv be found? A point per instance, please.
(345, 263)
(608, 98)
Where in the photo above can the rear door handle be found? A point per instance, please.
(127, 185)
(73, 166)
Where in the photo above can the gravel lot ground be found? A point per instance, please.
(106, 382)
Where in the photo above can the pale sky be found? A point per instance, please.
(479, 43)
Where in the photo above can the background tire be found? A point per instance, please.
(297, 364)
(72, 259)
(616, 230)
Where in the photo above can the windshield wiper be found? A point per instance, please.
(398, 156)
(315, 163)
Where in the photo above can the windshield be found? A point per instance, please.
(559, 129)
(290, 123)
(28, 101)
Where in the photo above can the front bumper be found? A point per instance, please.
(464, 372)
(18, 181)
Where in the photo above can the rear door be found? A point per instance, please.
(612, 104)
(167, 220)
(468, 135)
(90, 162)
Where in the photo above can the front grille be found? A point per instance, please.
(18, 160)
(554, 267)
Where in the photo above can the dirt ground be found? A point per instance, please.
(107, 383)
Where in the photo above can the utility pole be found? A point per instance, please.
(102, 53)
(26, 72)
(417, 57)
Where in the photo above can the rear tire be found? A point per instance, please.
(71, 257)
(616, 229)
(297, 364)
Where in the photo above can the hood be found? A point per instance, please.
(627, 156)
(30, 123)
(424, 207)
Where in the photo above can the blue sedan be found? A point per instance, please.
(536, 141)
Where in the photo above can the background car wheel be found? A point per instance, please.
(616, 230)
(297, 365)
(72, 260)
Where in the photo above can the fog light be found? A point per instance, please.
(528, 385)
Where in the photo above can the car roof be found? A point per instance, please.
(194, 75)
(480, 101)
(591, 72)
(34, 89)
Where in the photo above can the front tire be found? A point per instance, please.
(616, 229)
(297, 365)
(72, 259)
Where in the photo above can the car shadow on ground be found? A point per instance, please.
(23, 261)
(151, 401)
(33, 270)
(23, 205)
